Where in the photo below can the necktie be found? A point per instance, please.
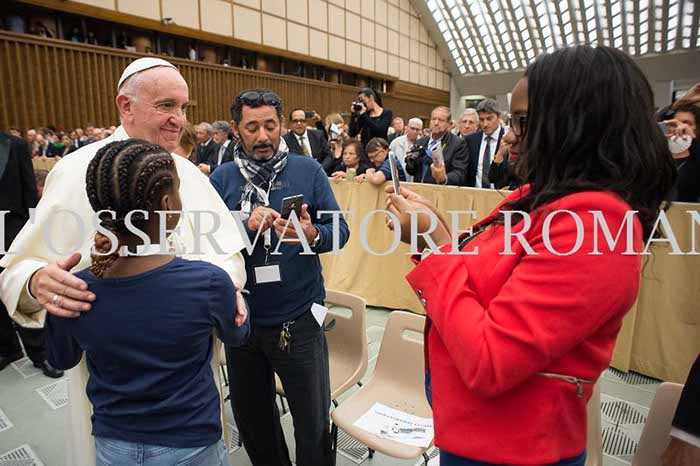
(487, 163)
(304, 150)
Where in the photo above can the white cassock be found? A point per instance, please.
(65, 190)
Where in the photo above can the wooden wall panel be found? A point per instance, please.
(60, 83)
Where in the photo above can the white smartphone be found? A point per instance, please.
(393, 165)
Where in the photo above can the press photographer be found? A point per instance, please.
(368, 118)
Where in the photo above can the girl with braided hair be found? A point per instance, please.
(148, 336)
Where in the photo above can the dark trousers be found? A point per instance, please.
(303, 371)
(32, 339)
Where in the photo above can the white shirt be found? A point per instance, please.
(493, 142)
(303, 141)
(65, 189)
(222, 150)
(400, 147)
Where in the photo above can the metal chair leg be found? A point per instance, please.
(371, 452)
(284, 406)
(426, 458)
(334, 442)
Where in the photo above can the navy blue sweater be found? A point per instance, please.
(148, 344)
(272, 304)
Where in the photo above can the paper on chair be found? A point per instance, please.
(391, 424)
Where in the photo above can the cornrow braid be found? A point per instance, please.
(122, 177)
(153, 169)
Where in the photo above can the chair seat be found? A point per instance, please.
(345, 415)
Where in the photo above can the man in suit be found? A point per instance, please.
(423, 166)
(206, 146)
(223, 148)
(484, 144)
(45, 148)
(684, 449)
(309, 142)
(18, 194)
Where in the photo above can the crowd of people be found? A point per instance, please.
(539, 327)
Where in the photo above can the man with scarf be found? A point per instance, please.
(285, 284)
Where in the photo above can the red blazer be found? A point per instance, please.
(494, 321)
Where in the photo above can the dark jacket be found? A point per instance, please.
(205, 151)
(17, 184)
(474, 146)
(456, 161)
(687, 186)
(49, 150)
(687, 416)
(369, 127)
(213, 159)
(320, 150)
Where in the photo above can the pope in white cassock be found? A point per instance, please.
(152, 99)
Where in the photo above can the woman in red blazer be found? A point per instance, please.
(518, 331)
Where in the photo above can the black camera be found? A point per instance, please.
(357, 107)
(417, 151)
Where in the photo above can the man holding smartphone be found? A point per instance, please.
(285, 285)
(308, 142)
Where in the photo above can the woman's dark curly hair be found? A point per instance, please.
(122, 177)
(591, 127)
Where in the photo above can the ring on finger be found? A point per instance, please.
(55, 299)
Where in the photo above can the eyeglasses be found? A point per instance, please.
(255, 99)
(299, 121)
(518, 123)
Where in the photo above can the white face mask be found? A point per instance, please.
(678, 144)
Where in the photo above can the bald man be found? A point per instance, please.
(152, 98)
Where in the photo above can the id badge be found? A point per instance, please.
(268, 273)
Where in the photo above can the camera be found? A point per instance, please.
(417, 151)
(357, 107)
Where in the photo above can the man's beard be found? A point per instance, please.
(251, 151)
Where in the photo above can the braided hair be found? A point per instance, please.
(122, 177)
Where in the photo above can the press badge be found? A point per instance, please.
(269, 272)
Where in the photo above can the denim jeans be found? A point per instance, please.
(303, 371)
(112, 452)
(448, 459)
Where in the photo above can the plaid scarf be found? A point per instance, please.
(259, 175)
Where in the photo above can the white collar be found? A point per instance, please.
(225, 144)
(207, 143)
(302, 136)
(494, 135)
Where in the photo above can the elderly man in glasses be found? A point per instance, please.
(286, 286)
(152, 98)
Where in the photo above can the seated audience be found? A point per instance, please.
(398, 126)
(224, 148)
(377, 152)
(148, 337)
(354, 162)
(206, 146)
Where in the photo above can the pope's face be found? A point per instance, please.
(157, 114)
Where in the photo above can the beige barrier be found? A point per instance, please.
(660, 336)
(43, 163)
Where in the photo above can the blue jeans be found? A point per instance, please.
(112, 452)
(448, 459)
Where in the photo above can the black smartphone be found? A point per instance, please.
(292, 203)
(309, 115)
